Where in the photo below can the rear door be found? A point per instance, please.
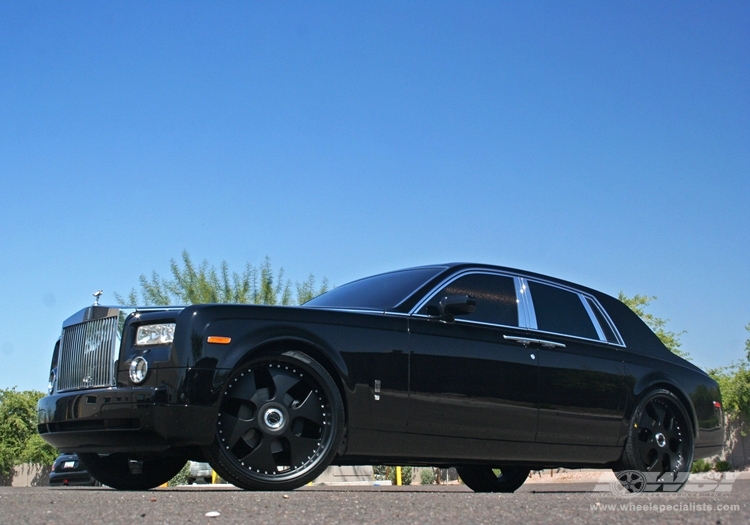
(581, 372)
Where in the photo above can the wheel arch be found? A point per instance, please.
(655, 383)
(335, 366)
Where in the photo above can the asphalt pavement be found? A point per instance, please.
(553, 503)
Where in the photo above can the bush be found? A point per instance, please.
(380, 472)
(383, 472)
(700, 465)
(181, 477)
(19, 440)
(405, 475)
(722, 466)
(426, 476)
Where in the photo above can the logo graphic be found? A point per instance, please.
(628, 484)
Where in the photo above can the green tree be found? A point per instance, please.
(734, 381)
(639, 303)
(19, 440)
(203, 283)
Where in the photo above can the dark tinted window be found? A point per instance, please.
(495, 296)
(560, 311)
(379, 292)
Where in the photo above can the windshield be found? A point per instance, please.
(380, 292)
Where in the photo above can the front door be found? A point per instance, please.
(466, 378)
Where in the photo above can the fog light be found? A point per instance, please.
(138, 370)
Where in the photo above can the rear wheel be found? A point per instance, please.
(659, 450)
(280, 423)
(493, 479)
(124, 473)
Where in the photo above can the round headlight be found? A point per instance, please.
(51, 384)
(138, 370)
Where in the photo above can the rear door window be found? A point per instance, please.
(561, 311)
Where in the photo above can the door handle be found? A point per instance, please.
(550, 344)
(526, 341)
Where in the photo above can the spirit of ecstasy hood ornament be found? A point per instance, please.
(97, 295)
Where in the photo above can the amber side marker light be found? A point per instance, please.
(219, 340)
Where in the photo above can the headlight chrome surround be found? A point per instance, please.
(155, 334)
(52, 379)
(138, 370)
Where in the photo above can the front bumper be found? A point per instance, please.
(122, 420)
(74, 478)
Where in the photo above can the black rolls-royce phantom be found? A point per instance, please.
(493, 370)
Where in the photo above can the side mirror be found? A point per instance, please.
(452, 305)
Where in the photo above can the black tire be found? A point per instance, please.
(493, 479)
(113, 470)
(280, 423)
(658, 452)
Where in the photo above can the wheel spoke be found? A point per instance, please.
(649, 457)
(283, 381)
(673, 461)
(234, 428)
(261, 457)
(653, 417)
(247, 390)
(661, 414)
(673, 435)
(244, 388)
(310, 409)
(301, 448)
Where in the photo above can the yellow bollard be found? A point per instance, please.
(398, 476)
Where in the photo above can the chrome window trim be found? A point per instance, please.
(468, 321)
(582, 296)
(365, 311)
(528, 304)
(593, 318)
(526, 311)
(523, 318)
(593, 303)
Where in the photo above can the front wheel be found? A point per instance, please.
(280, 423)
(659, 449)
(493, 479)
(124, 473)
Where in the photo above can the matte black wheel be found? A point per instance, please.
(659, 445)
(493, 479)
(116, 471)
(280, 423)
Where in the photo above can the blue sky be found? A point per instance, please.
(607, 143)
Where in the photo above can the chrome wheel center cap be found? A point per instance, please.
(273, 418)
(661, 440)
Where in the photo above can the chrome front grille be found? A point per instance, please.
(88, 352)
